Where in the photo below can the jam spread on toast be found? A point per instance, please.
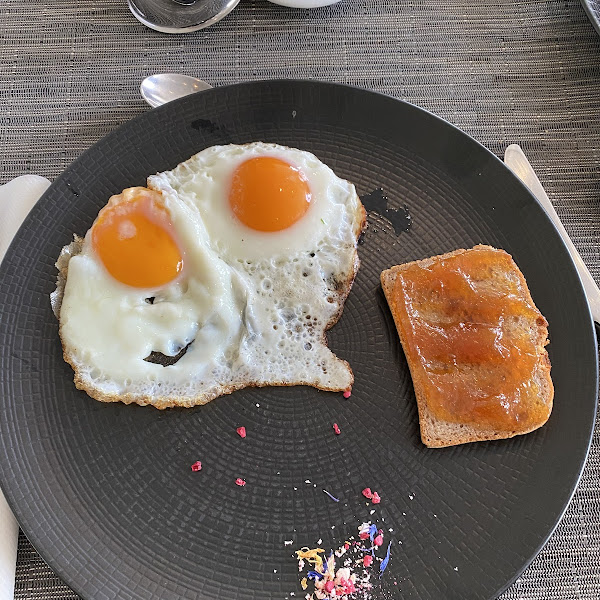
(468, 326)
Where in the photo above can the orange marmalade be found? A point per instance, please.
(471, 334)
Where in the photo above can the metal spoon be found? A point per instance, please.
(161, 88)
(180, 16)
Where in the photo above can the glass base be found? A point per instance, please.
(180, 16)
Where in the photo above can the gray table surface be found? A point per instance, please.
(505, 71)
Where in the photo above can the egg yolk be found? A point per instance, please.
(132, 237)
(268, 194)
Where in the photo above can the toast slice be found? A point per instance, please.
(475, 345)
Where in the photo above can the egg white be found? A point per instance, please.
(204, 181)
(253, 306)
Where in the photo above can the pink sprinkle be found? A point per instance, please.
(197, 466)
(378, 541)
(329, 586)
(363, 535)
(239, 481)
(350, 588)
(347, 394)
(336, 428)
(367, 493)
(375, 499)
(367, 560)
(346, 545)
(241, 432)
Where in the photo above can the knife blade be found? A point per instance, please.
(516, 160)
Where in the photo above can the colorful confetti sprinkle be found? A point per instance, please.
(385, 561)
(197, 466)
(313, 557)
(372, 531)
(347, 394)
(346, 571)
(239, 481)
(336, 428)
(241, 431)
(331, 496)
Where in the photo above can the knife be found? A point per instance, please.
(516, 160)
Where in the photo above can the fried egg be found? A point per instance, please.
(224, 272)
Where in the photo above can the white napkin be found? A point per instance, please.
(16, 199)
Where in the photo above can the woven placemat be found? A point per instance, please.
(503, 71)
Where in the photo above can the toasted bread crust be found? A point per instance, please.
(436, 433)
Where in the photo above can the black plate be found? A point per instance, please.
(106, 493)
(592, 8)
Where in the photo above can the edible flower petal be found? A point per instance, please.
(385, 561)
